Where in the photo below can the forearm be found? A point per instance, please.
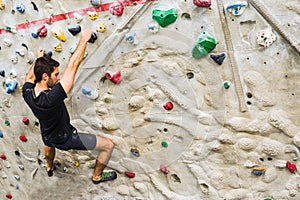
(78, 55)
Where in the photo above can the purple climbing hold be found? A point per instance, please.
(74, 30)
(218, 58)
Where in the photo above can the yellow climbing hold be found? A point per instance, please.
(2, 5)
(76, 163)
(58, 47)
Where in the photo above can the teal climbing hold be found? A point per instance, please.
(164, 15)
(205, 44)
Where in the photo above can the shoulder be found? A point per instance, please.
(28, 86)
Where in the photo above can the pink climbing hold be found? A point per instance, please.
(116, 8)
(25, 120)
(9, 196)
(291, 167)
(164, 169)
(3, 157)
(114, 77)
(168, 106)
(202, 3)
(42, 32)
(130, 174)
(23, 138)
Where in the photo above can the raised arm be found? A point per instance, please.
(67, 79)
(30, 74)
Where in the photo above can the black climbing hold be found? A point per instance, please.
(135, 152)
(74, 30)
(34, 6)
(190, 75)
(218, 58)
(24, 45)
(48, 54)
(2, 73)
(17, 152)
(103, 79)
(93, 38)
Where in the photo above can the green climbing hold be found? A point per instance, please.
(267, 199)
(164, 15)
(226, 84)
(164, 144)
(7, 123)
(205, 44)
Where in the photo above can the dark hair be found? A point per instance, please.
(44, 65)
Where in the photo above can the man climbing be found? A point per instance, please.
(44, 92)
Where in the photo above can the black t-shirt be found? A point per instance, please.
(51, 111)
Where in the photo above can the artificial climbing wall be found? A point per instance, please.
(200, 98)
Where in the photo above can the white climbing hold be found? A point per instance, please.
(265, 37)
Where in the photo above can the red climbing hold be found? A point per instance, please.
(114, 77)
(130, 174)
(9, 196)
(25, 120)
(23, 138)
(116, 8)
(3, 157)
(202, 3)
(168, 106)
(42, 32)
(292, 167)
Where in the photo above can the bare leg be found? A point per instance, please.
(105, 147)
(49, 154)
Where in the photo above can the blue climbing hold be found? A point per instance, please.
(20, 8)
(1, 135)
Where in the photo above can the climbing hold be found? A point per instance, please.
(135, 152)
(17, 153)
(164, 169)
(73, 48)
(96, 3)
(153, 28)
(2, 72)
(9, 196)
(74, 30)
(202, 3)
(130, 174)
(164, 144)
(164, 14)
(17, 177)
(17, 186)
(3, 157)
(34, 35)
(42, 31)
(58, 47)
(1, 135)
(130, 37)
(93, 15)
(76, 163)
(58, 33)
(20, 8)
(267, 198)
(10, 85)
(101, 27)
(48, 54)
(7, 123)
(265, 37)
(114, 77)
(204, 45)
(168, 106)
(34, 6)
(10, 28)
(21, 167)
(218, 58)
(291, 167)
(57, 162)
(259, 170)
(226, 84)
(50, 20)
(93, 38)
(116, 8)
(236, 8)
(78, 18)
(2, 5)
(25, 120)
(92, 94)
(23, 138)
